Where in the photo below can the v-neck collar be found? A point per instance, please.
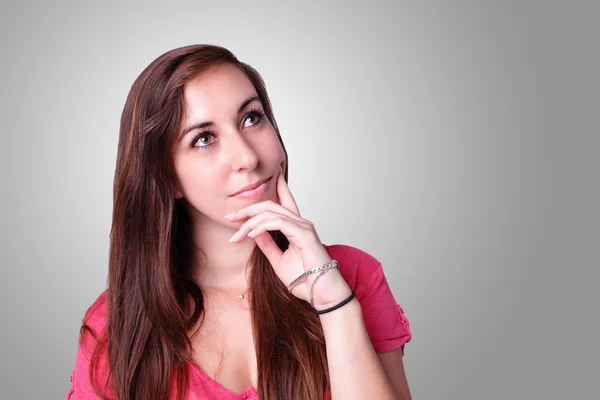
(248, 393)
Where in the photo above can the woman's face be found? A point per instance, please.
(225, 143)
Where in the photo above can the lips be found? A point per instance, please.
(251, 186)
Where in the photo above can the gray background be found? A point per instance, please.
(454, 141)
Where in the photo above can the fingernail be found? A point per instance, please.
(252, 232)
(234, 236)
(230, 215)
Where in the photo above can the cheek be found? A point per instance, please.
(198, 182)
(272, 152)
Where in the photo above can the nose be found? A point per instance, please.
(242, 152)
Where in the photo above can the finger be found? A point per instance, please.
(251, 224)
(269, 247)
(255, 221)
(286, 198)
(257, 208)
(295, 233)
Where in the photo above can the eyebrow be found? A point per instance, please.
(201, 125)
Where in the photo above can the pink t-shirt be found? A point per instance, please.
(384, 320)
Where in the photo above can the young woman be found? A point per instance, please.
(218, 288)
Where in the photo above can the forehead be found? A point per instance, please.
(217, 93)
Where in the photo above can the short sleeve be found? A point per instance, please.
(94, 321)
(385, 322)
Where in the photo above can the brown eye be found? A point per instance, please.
(203, 140)
(256, 116)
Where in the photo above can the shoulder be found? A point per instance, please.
(384, 319)
(94, 320)
(91, 363)
(97, 313)
(355, 265)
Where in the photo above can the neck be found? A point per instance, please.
(219, 264)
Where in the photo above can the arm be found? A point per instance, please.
(81, 387)
(94, 320)
(355, 369)
(394, 369)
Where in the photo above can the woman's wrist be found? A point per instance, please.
(330, 290)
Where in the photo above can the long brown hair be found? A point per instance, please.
(152, 301)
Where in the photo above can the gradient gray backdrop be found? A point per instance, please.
(454, 141)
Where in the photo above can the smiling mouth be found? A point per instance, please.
(251, 186)
(254, 190)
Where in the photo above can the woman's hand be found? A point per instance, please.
(304, 252)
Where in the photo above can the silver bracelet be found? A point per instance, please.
(312, 287)
(295, 282)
